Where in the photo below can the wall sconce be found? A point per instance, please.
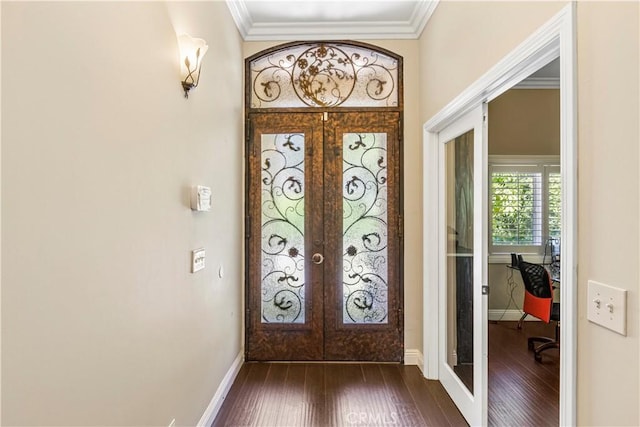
(191, 53)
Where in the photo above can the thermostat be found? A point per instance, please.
(197, 259)
(201, 198)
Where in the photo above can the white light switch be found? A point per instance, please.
(607, 306)
(197, 260)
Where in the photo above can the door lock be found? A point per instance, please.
(317, 258)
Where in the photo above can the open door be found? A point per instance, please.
(463, 264)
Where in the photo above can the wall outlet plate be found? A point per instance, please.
(607, 306)
(197, 259)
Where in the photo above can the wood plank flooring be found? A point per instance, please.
(335, 394)
(522, 392)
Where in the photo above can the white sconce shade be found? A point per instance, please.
(191, 53)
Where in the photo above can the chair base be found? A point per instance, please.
(547, 343)
(537, 352)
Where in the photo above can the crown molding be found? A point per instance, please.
(282, 31)
(240, 15)
(421, 15)
(539, 83)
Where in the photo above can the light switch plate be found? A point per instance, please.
(607, 306)
(197, 260)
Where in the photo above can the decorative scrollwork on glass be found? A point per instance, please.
(365, 230)
(283, 284)
(324, 75)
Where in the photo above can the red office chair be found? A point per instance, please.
(538, 302)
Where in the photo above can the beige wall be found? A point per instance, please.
(608, 376)
(609, 211)
(103, 324)
(464, 39)
(408, 49)
(525, 122)
(507, 289)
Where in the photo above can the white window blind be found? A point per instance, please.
(525, 203)
(555, 193)
(516, 206)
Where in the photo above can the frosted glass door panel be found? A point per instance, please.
(364, 204)
(283, 272)
(459, 272)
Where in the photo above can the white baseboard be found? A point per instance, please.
(414, 357)
(221, 393)
(509, 315)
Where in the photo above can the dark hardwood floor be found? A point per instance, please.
(336, 394)
(522, 392)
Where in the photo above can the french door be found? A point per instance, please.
(324, 234)
(463, 264)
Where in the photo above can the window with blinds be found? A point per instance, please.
(516, 207)
(525, 204)
(554, 194)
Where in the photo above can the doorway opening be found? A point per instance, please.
(524, 219)
(324, 203)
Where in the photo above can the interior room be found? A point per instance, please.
(125, 288)
(524, 138)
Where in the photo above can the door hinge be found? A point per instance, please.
(247, 225)
(248, 318)
(400, 319)
(485, 290)
(325, 116)
(400, 226)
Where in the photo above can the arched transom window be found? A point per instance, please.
(324, 74)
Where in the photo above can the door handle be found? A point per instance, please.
(317, 258)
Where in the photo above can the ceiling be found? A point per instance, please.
(330, 20)
(289, 20)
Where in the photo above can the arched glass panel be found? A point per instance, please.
(324, 74)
